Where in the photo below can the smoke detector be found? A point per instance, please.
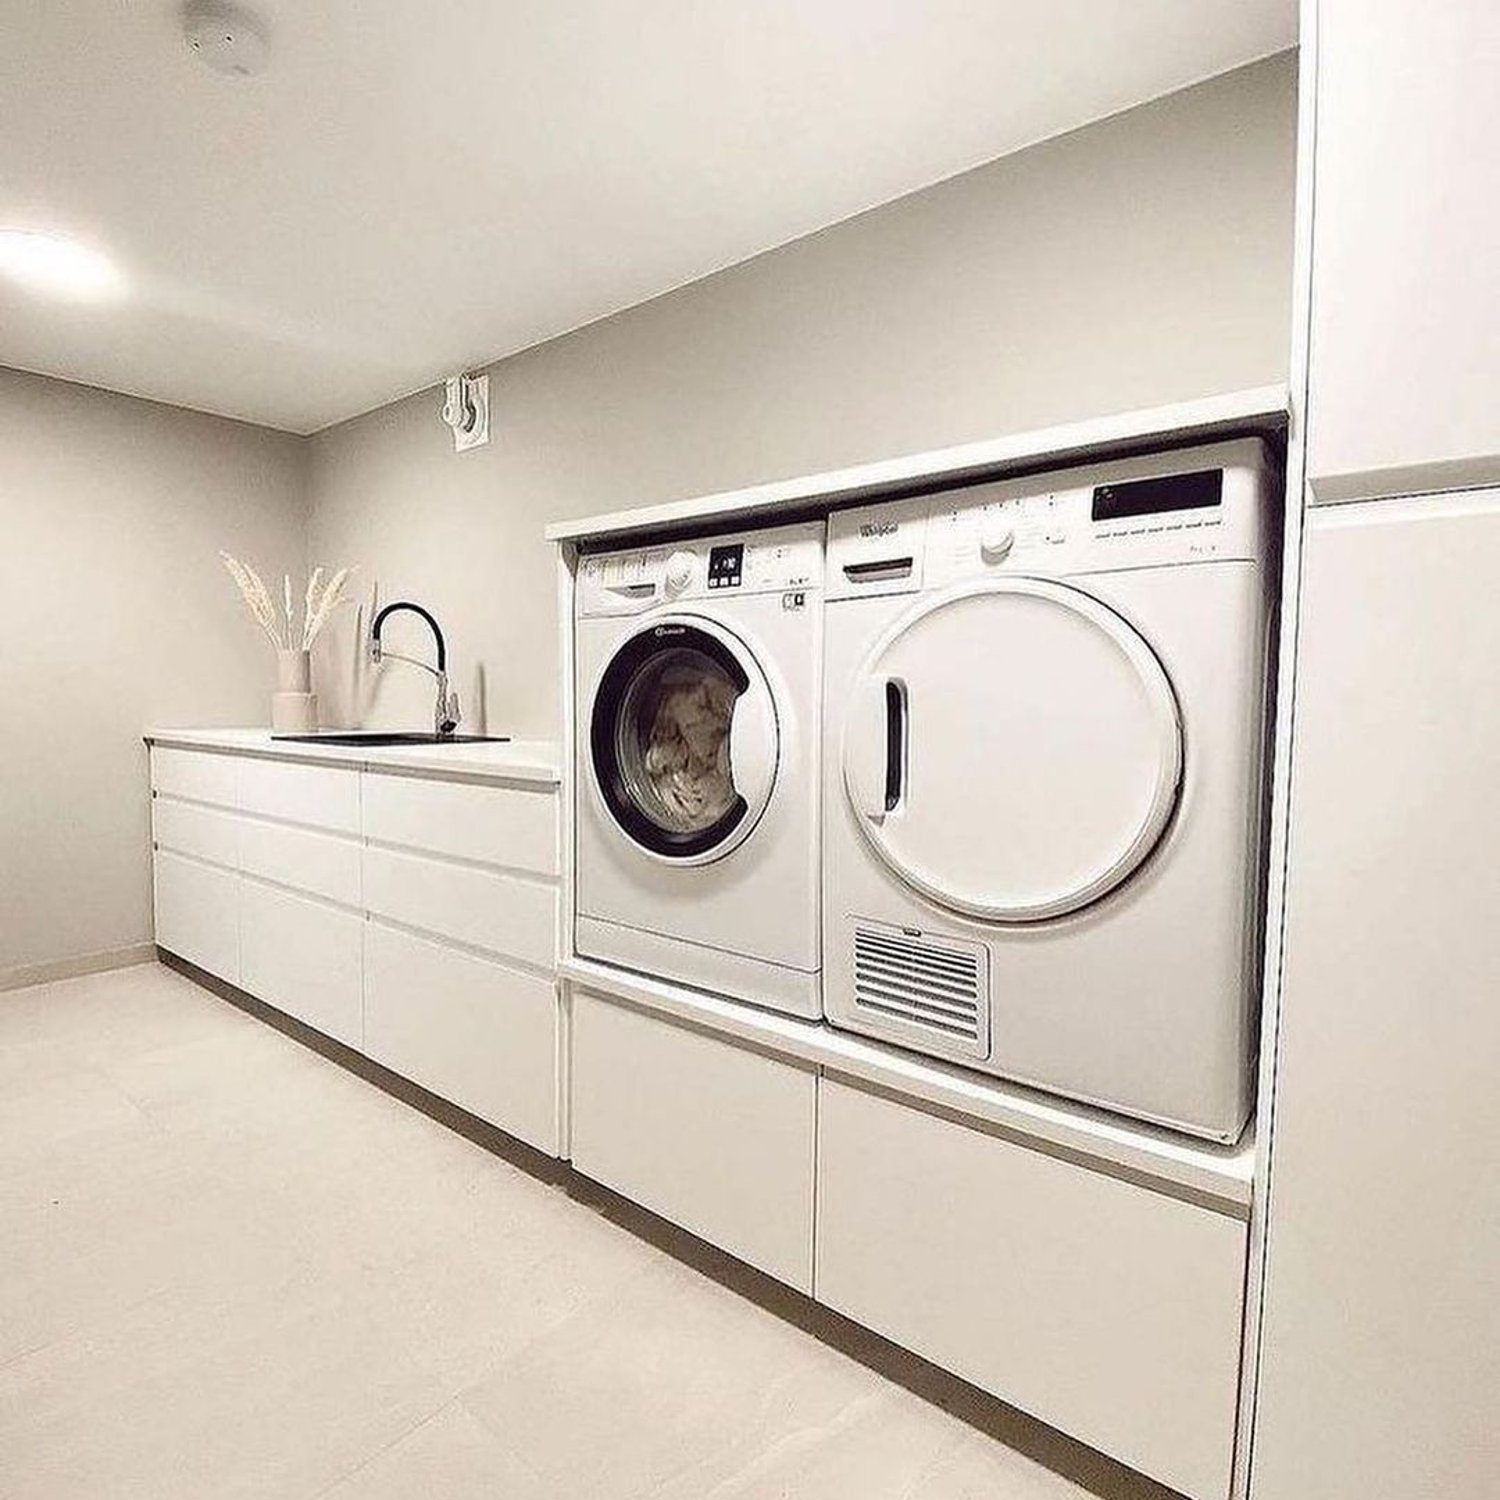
(225, 37)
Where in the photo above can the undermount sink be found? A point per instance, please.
(377, 737)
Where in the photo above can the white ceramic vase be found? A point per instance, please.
(294, 705)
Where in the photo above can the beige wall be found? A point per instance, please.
(1140, 260)
(114, 614)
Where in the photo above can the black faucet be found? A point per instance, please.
(447, 713)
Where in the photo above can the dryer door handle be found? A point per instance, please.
(875, 740)
(752, 747)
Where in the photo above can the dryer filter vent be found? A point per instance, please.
(939, 988)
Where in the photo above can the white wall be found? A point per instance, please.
(1140, 260)
(115, 614)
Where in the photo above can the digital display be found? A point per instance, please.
(725, 564)
(1150, 497)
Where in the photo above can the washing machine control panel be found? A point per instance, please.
(787, 560)
(1198, 506)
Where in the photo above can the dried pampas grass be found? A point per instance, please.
(318, 603)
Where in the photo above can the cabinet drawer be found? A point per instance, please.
(198, 774)
(501, 825)
(514, 917)
(323, 796)
(302, 957)
(1104, 1308)
(480, 1035)
(197, 914)
(188, 828)
(711, 1136)
(320, 863)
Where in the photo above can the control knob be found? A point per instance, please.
(679, 572)
(995, 541)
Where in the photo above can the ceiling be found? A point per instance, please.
(413, 187)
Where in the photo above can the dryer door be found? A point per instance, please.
(1013, 749)
(684, 742)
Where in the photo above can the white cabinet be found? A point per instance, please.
(1380, 1344)
(1107, 1309)
(481, 908)
(498, 825)
(474, 1032)
(277, 875)
(197, 913)
(321, 796)
(303, 957)
(1405, 364)
(192, 775)
(712, 1136)
(303, 858)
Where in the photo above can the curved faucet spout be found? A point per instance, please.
(446, 713)
(376, 650)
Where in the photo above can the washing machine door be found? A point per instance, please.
(684, 741)
(1013, 749)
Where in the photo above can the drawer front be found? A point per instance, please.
(200, 775)
(304, 958)
(473, 1032)
(197, 914)
(303, 858)
(1105, 1309)
(500, 825)
(502, 914)
(711, 1136)
(188, 828)
(322, 796)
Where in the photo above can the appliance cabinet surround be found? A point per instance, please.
(1103, 1306)
(412, 918)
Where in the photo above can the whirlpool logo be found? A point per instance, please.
(878, 528)
(664, 630)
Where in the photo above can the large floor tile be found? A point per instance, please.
(231, 1268)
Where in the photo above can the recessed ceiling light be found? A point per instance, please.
(225, 37)
(53, 264)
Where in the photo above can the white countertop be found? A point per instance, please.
(1262, 409)
(537, 761)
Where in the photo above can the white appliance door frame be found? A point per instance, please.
(885, 742)
(754, 738)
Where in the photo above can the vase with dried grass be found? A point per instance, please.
(294, 705)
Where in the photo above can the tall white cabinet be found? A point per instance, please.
(1405, 356)
(1380, 1350)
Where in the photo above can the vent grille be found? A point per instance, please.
(936, 988)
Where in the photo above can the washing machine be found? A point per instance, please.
(698, 675)
(1045, 760)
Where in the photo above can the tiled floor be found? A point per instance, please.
(229, 1267)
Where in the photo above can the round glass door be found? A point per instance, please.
(1013, 750)
(683, 740)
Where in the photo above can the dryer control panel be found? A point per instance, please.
(786, 560)
(1198, 505)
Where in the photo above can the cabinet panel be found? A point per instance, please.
(714, 1137)
(197, 914)
(1109, 1310)
(204, 832)
(320, 863)
(1406, 247)
(323, 796)
(488, 910)
(473, 1032)
(198, 774)
(1380, 1344)
(512, 826)
(302, 957)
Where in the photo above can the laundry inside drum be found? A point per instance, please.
(673, 748)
